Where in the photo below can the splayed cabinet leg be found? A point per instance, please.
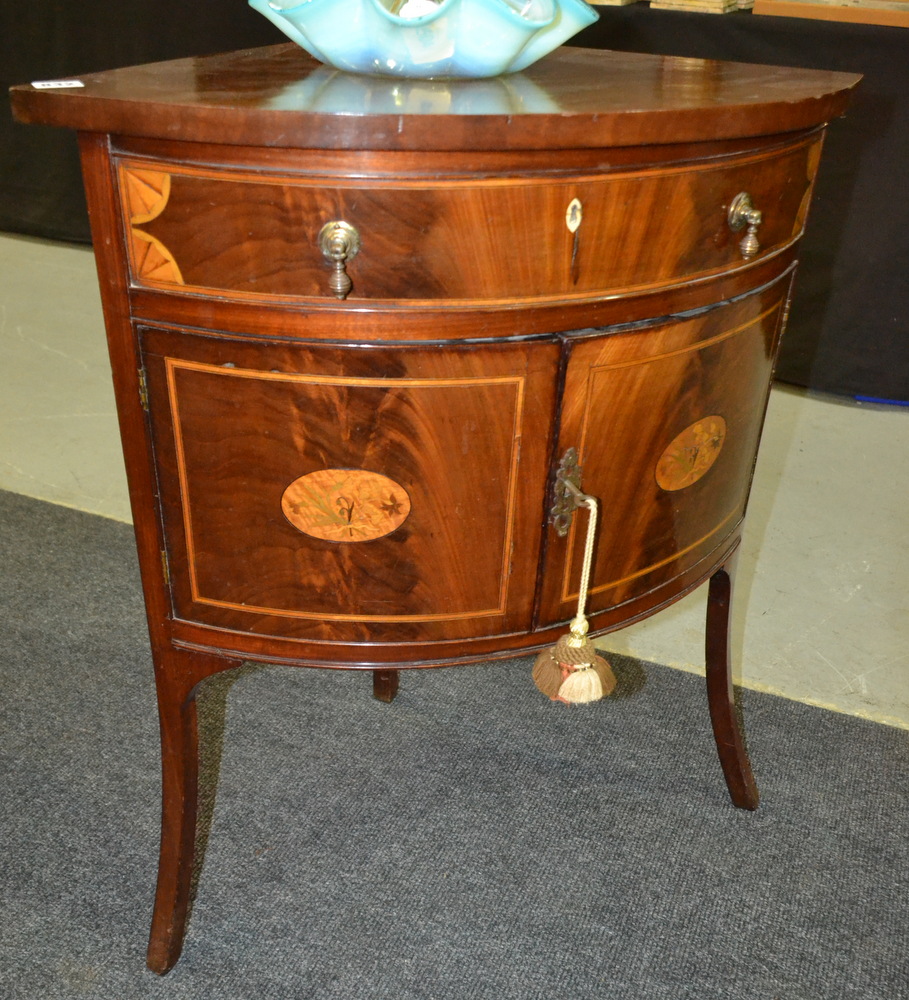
(179, 798)
(177, 675)
(727, 730)
(385, 685)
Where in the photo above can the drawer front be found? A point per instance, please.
(666, 423)
(350, 496)
(247, 235)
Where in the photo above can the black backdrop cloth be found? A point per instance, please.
(849, 326)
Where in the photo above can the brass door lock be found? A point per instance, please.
(567, 495)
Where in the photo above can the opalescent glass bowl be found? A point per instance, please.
(428, 38)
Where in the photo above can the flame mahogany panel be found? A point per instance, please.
(462, 435)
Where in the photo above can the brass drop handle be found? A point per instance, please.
(742, 213)
(339, 243)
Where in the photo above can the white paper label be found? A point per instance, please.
(56, 84)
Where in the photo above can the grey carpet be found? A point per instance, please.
(469, 841)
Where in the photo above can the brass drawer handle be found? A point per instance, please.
(339, 243)
(742, 213)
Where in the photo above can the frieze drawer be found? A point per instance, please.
(250, 235)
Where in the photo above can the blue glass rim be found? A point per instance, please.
(508, 9)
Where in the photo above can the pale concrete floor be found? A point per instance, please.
(823, 601)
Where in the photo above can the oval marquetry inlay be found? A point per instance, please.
(691, 453)
(345, 505)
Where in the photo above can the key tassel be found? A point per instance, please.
(572, 671)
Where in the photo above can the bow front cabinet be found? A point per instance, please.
(363, 329)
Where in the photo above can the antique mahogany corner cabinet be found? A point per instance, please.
(358, 326)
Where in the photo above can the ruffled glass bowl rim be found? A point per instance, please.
(526, 39)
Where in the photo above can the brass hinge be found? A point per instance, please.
(143, 389)
(165, 566)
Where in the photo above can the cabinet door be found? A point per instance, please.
(666, 422)
(351, 494)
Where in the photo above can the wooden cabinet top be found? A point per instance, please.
(575, 98)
